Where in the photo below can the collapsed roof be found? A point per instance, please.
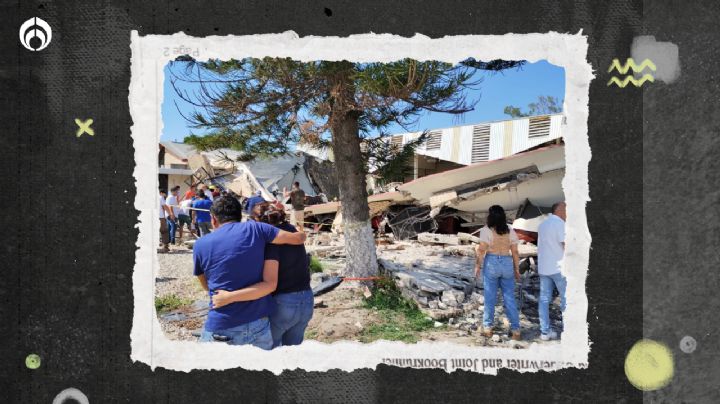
(534, 176)
(272, 175)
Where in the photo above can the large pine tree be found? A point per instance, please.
(266, 106)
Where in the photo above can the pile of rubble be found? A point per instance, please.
(436, 271)
(326, 245)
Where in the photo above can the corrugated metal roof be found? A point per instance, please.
(507, 137)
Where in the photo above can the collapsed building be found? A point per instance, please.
(183, 165)
(272, 175)
(425, 227)
(459, 172)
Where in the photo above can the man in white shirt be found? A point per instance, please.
(165, 213)
(184, 217)
(172, 203)
(551, 249)
(204, 189)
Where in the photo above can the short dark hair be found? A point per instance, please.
(200, 195)
(226, 209)
(555, 206)
(297, 184)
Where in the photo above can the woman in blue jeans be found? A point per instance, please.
(498, 261)
(293, 297)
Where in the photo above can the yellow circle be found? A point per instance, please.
(649, 365)
(32, 361)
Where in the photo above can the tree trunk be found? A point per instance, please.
(350, 168)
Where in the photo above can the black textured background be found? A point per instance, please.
(68, 239)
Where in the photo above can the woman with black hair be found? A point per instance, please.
(498, 260)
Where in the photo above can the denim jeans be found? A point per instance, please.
(293, 312)
(172, 226)
(498, 272)
(256, 333)
(547, 284)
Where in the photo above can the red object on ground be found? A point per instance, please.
(375, 222)
(529, 236)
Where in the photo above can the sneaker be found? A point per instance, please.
(548, 336)
(163, 250)
(515, 335)
(487, 331)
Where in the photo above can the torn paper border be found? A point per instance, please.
(151, 53)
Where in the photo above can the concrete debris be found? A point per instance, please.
(445, 287)
(432, 238)
(409, 221)
(452, 297)
(326, 286)
(323, 239)
(465, 238)
(318, 278)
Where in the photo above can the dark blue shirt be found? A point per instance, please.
(294, 271)
(254, 201)
(232, 257)
(201, 215)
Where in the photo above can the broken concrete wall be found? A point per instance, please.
(322, 175)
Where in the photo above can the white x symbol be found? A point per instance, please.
(84, 127)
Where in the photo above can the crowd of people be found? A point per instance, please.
(498, 262)
(256, 271)
(190, 211)
(269, 302)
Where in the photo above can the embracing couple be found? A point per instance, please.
(257, 277)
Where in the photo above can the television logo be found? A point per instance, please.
(35, 34)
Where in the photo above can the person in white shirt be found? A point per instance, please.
(551, 248)
(184, 216)
(172, 203)
(165, 213)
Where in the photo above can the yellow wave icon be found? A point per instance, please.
(631, 79)
(630, 64)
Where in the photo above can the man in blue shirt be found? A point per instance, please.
(231, 258)
(202, 214)
(252, 201)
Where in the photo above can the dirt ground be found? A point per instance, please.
(340, 316)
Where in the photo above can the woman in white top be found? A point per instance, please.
(498, 260)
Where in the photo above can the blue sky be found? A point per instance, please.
(511, 87)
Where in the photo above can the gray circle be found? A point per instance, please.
(71, 393)
(688, 344)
